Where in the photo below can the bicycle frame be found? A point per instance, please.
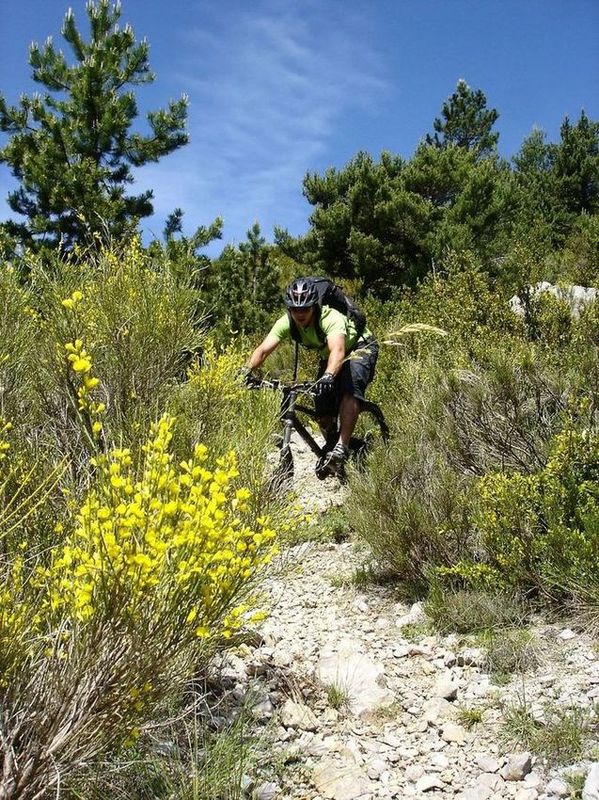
(291, 422)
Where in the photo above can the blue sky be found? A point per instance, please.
(281, 87)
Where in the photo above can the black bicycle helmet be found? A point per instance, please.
(301, 293)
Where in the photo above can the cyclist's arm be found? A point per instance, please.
(336, 345)
(264, 349)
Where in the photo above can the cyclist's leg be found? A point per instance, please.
(326, 410)
(349, 412)
(356, 374)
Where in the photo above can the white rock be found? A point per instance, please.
(437, 709)
(263, 709)
(376, 768)
(533, 780)
(488, 763)
(297, 715)
(339, 781)
(449, 659)
(475, 793)
(415, 616)
(517, 767)
(282, 658)
(567, 634)
(453, 733)
(439, 761)
(557, 788)
(358, 676)
(414, 772)
(577, 297)
(428, 782)
(526, 794)
(446, 687)
(491, 781)
(591, 785)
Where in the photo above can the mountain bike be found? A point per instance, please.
(371, 428)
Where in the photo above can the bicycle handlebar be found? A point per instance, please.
(306, 387)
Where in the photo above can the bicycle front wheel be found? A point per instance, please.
(282, 477)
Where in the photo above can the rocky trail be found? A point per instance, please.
(359, 699)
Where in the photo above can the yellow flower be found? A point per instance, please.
(81, 365)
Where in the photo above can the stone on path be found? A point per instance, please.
(429, 782)
(415, 616)
(297, 715)
(488, 763)
(446, 687)
(437, 710)
(476, 793)
(558, 788)
(339, 781)
(357, 675)
(517, 767)
(591, 785)
(453, 733)
(526, 794)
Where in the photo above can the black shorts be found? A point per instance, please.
(355, 375)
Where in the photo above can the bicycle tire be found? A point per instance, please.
(282, 477)
(371, 430)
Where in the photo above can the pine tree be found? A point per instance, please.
(245, 288)
(466, 122)
(577, 165)
(181, 253)
(72, 148)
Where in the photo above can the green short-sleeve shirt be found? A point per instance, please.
(332, 322)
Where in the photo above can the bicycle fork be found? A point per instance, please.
(287, 418)
(291, 422)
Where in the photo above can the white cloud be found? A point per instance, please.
(270, 84)
(268, 87)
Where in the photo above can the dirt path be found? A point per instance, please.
(361, 700)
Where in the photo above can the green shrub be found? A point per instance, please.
(541, 532)
(561, 737)
(412, 511)
(468, 611)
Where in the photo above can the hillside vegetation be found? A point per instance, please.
(136, 514)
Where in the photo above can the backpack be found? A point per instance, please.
(329, 294)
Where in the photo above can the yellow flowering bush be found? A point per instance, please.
(159, 564)
(5, 427)
(213, 376)
(89, 410)
(138, 325)
(213, 405)
(174, 535)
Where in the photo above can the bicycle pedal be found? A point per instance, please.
(278, 440)
(322, 469)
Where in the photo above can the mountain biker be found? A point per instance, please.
(347, 361)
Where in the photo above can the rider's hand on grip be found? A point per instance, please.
(326, 384)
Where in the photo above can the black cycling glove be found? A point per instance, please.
(326, 384)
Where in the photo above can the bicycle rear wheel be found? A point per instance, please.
(371, 431)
